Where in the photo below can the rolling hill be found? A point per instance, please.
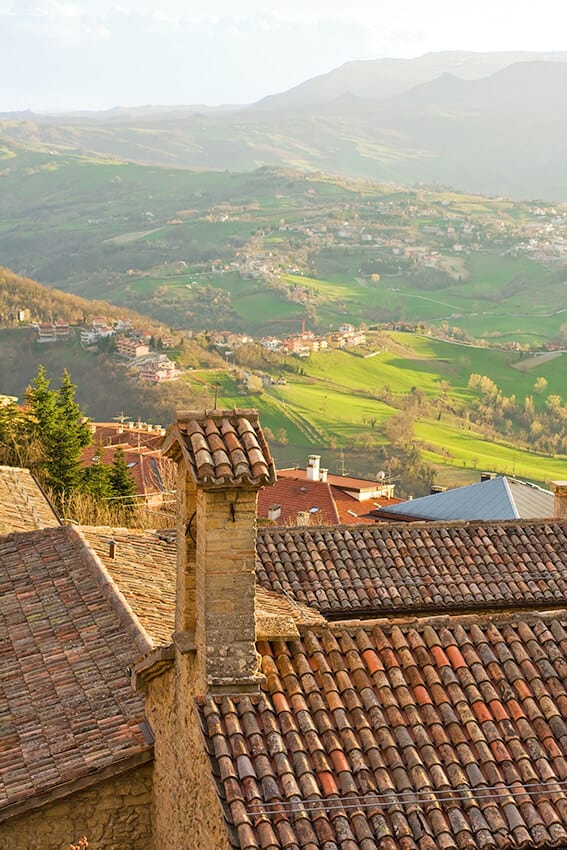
(492, 123)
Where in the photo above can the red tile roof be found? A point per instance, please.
(23, 504)
(352, 511)
(113, 433)
(416, 567)
(431, 736)
(67, 706)
(222, 448)
(295, 495)
(344, 482)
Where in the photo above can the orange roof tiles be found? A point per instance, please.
(351, 511)
(222, 448)
(67, 706)
(295, 495)
(432, 736)
(113, 433)
(23, 504)
(416, 567)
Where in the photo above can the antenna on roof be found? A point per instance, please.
(121, 417)
(380, 476)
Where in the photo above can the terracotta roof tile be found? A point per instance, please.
(295, 495)
(342, 747)
(222, 448)
(419, 567)
(143, 567)
(127, 434)
(23, 504)
(67, 704)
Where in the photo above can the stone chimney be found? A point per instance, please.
(560, 499)
(323, 473)
(312, 470)
(223, 460)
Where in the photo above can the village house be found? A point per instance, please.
(132, 347)
(313, 496)
(159, 369)
(383, 687)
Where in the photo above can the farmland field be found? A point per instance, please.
(336, 403)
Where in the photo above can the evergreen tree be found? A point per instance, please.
(62, 430)
(41, 400)
(96, 480)
(121, 481)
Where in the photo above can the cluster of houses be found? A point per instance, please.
(131, 343)
(328, 686)
(301, 344)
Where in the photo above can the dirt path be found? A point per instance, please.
(527, 365)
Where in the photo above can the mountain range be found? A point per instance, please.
(486, 122)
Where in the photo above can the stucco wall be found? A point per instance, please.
(187, 813)
(113, 815)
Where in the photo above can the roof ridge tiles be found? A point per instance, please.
(222, 448)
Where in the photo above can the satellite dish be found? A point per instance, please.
(380, 475)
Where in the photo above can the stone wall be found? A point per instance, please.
(187, 813)
(226, 581)
(113, 815)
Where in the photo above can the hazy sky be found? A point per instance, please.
(96, 54)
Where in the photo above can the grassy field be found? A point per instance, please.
(335, 404)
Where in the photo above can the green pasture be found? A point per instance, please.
(336, 400)
(456, 363)
(452, 446)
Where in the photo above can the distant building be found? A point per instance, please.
(132, 348)
(494, 497)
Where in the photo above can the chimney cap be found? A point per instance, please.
(222, 448)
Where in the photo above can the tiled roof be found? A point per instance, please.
(295, 495)
(67, 708)
(352, 511)
(23, 504)
(143, 568)
(222, 448)
(495, 499)
(152, 472)
(113, 433)
(433, 736)
(344, 482)
(404, 567)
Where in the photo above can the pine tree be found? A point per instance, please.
(41, 400)
(96, 480)
(121, 481)
(60, 425)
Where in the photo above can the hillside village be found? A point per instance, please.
(224, 686)
(243, 613)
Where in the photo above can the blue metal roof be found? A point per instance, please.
(494, 499)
